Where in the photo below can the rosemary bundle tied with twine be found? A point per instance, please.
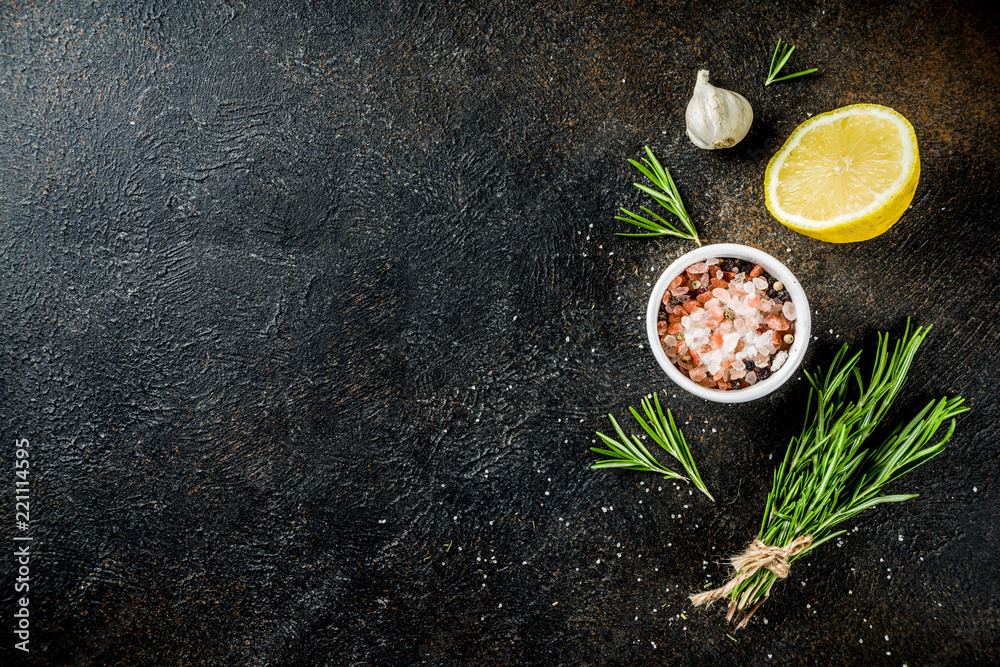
(830, 473)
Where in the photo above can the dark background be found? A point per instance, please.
(311, 311)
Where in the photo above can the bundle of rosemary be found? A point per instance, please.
(830, 473)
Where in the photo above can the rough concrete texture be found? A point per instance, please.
(312, 309)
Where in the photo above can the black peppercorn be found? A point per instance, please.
(750, 365)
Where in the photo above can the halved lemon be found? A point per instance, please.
(845, 175)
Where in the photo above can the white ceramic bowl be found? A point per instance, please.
(803, 321)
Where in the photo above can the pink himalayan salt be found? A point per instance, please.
(704, 323)
(751, 378)
(777, 323)
(697, 268)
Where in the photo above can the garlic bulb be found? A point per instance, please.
(716, 118)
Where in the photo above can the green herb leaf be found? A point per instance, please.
(629, 452)
(666, 196)
(782, 53)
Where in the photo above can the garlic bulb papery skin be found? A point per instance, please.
(716, 117)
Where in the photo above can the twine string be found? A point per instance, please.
(756, 557)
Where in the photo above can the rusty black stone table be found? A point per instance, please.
(312, 309)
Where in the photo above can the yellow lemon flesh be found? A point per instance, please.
(846, 175)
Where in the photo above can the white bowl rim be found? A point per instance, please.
(773, 266)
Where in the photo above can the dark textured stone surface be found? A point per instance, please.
(312, 310)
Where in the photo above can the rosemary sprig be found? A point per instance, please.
(631, 454)
(829, 473)
(666, 196)
(782, 53)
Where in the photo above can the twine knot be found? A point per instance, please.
(756, 557)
